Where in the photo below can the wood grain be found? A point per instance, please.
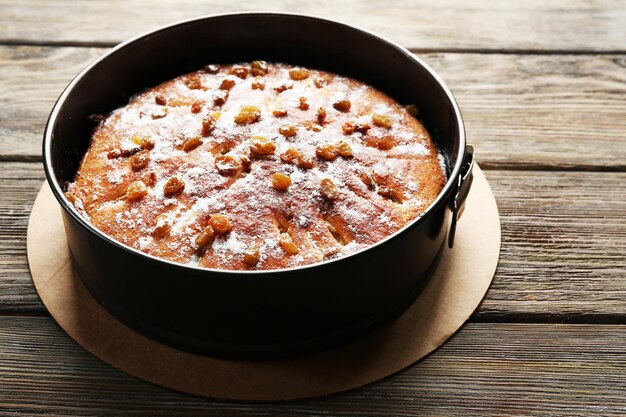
(563, 245)
(576, 25)
(486, 369)
(509, 103)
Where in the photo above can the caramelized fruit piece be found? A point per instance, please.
(191, 144)
(196, 107)
(248, 115)
(381, 120)
(262, 146)
(287, 244)
(281, 181)
(160, 100)
(173, 186)
(211, 69)
(299, 74)
(342, 105)
(327, 151)
(162, 228)
(258, 84)
(344, 149)
(304, 105)
(140, 160)
(288, 130)
(227, 165)
(220, 224)
(321, 115)
(208, 125)
(241, 72)
(204, 239)
(220, 97)
(328, 189)
(251, 256)
(227, 84)
(136, 191)
(259, 68)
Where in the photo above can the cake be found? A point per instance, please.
(257, 166)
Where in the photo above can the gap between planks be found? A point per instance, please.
(486, 51)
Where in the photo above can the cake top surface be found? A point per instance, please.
(257, 166)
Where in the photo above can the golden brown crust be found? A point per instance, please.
(355, 167)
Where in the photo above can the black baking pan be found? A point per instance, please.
(256, 314)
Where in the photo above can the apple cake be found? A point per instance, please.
(257, 166)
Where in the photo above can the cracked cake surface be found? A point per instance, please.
(257, 166)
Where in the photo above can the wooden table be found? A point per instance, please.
(542, 87)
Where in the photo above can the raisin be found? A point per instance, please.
(321, 115)
(282, 88)
(304, 105)
(145, 143)
(349, 128)
(259, 68)
(136, 191)
(211, 69)
(279, 113)
(320, 82)
(248, 115)
(204, 239)
(220, 97)
(381, 120)
(159, 114)
(220, 224)
(328, 189)
(258, 84)
(306, 162)
(251, 256)
(196, 107)
(227, 84)
(208, 125)
(286, 242)
(150, 179)
(281, 181)
(193, 82)
(140, 160)
(327, 151)
(262, 146)
(227, 165)
(344, 149)
(368, 179)
(299, 74)
(241, 72)
(288, 130)
(162, 227)
(173, 186)
(342, 105)
(191, 144)
(385, 143)
(160, 100)
(291, 156)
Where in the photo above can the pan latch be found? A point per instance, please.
(463, 187)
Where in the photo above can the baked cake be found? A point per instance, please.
(257, 166)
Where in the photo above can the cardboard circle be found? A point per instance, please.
(451, 296)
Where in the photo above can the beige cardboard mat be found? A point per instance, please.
(457, 287)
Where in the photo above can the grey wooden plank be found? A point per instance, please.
(486, 369)
(575, 25)
(562, 255)
(521, 111)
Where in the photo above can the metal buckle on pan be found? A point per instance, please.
(463, 187)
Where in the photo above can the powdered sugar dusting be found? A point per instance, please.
(378, 188)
